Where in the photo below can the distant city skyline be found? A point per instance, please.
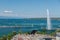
(29, 8)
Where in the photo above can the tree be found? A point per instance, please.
(4, 37)
(19, 32)
(14, 33)
(9, 36)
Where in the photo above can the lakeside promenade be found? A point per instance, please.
(32, 37)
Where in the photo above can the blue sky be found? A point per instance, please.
(29, 8)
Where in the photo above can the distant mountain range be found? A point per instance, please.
(5, 17)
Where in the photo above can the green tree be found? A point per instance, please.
(53, 33)
(4, 37)
(9, 36)
(20, 32)
(1, 38)
(14, 33)
(27, 33)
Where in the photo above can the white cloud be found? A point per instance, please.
(7, 11)
(9, 14)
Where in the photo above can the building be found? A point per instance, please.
(58, 36)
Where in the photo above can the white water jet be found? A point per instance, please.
(48, 21)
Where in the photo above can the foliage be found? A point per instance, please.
(11, 35)
(53, 33)
(4, 37)
(57, 30)
(19, 32)
(27, 33)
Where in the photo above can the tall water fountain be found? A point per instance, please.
(48, 21)
(49, 27)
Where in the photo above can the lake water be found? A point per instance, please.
(24, 25)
